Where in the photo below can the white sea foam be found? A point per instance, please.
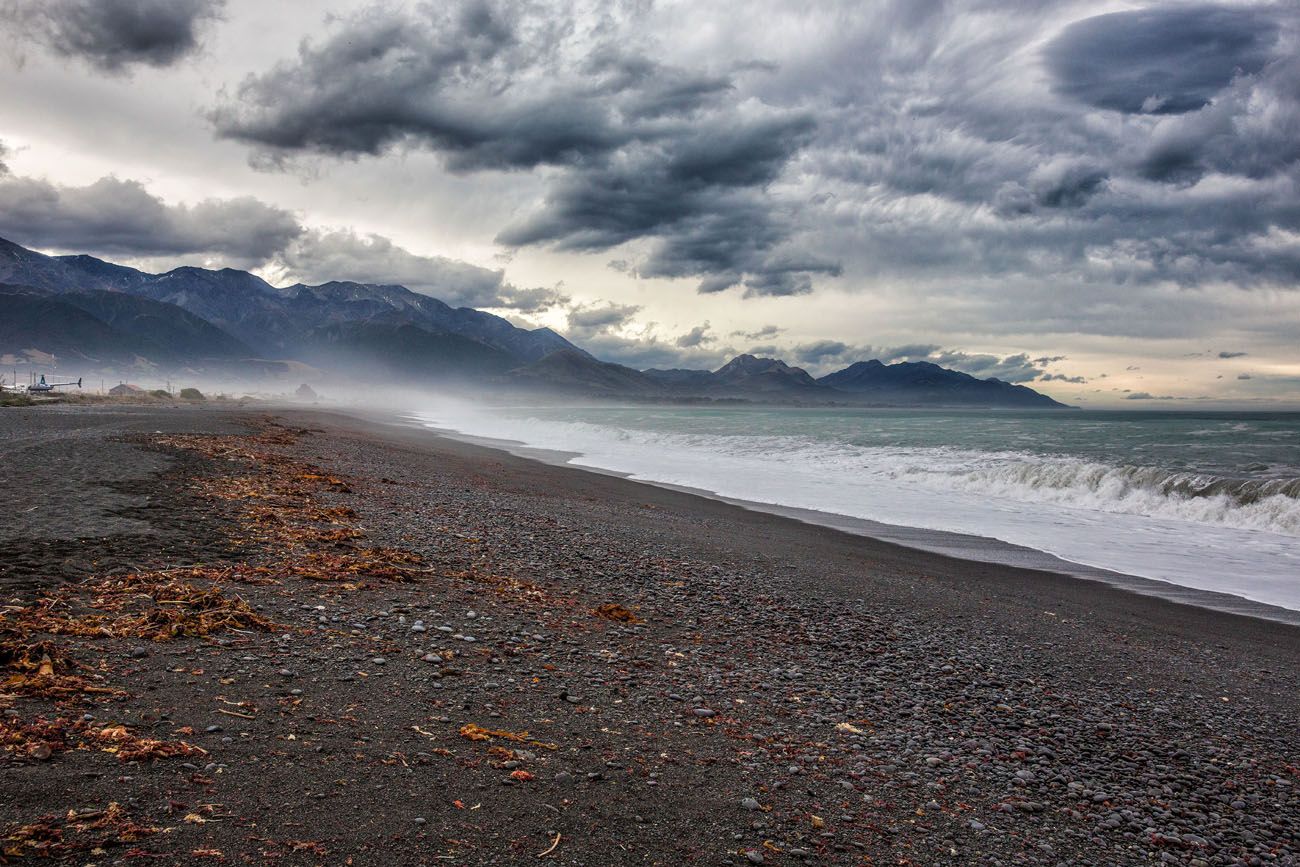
(1226, 535)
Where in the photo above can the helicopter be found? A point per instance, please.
(39, 388)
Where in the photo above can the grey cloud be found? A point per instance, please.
(1143, 395)
(1061, 377)
(1243, 376)
(112, 216)
(595, 319)
(113, 35)
(818, 351)
(697, 336)
(649, 350)
(907, 352)
(1012, 368)
(1231, 354)
(763, 333)
(1161, 60)
(829, 354)
(318, 256)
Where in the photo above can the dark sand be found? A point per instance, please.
(874, 702)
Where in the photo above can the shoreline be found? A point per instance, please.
(479, 658)
(959, 546)
(898, 565)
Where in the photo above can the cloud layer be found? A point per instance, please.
(121, 217)
(640, 150)
(115, 217)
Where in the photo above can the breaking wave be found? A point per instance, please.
(1271, 505)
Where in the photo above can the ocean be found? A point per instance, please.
(1202, 501)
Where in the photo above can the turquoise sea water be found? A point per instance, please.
(1202, 500)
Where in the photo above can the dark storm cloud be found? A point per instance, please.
(488, 86)
(457, 80)
(113, 35)
(113, 216)
(698, 195)
(1166, 60)
(647, 151)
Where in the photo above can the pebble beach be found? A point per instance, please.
(252, 635)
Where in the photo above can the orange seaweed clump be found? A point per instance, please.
(37, 740)
(610, 611)
(52, 836)
(42, 668)
(386, 564)
(476, 732)
(177, 609)
(183, 609)
(129, 748)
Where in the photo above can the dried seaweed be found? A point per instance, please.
(130, 748)
(53, 836)
(170, 609)
(611, 611)
(476, 732)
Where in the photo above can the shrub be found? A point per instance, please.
(192, 394)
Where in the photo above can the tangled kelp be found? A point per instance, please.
(131, 748)
(41, 668)
(54, 836)
(152, 606)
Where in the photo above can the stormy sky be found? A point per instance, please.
(1099, 199)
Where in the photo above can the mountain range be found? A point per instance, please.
(99, 314)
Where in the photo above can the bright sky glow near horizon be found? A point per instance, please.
(1100, 200)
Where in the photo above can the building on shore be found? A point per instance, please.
(125, 389)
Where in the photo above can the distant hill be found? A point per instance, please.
(574, 372)
(274, 320)
(917, 383)
(744, 375)
(922, 382)
(80, 307)
(107, 328)
(176, 333)
(402, 351)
